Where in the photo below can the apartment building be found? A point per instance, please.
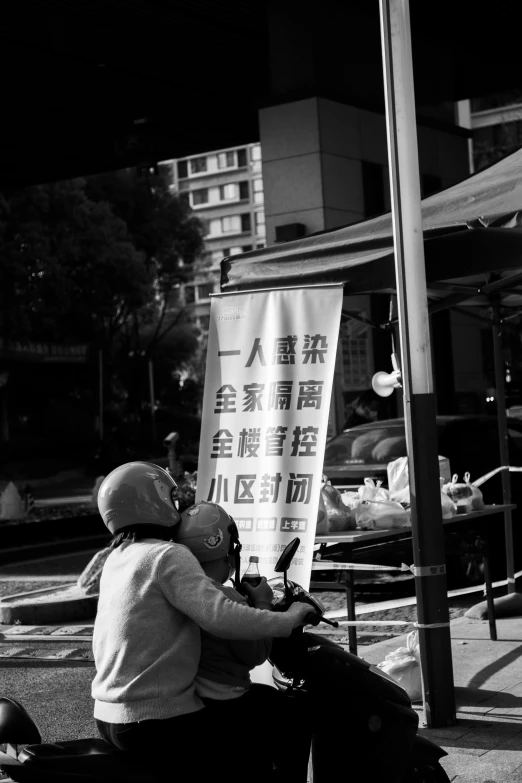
(225, 190)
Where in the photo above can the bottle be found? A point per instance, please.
(252, 575)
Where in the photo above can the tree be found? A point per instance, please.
(71, 272)
(164, 229)
(101, 261)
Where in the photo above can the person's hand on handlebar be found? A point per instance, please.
(301, 613)
(259, 597)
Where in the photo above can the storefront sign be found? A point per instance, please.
(42, 352)
(268, 383)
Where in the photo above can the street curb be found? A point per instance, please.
(15, 535)
(15, 608)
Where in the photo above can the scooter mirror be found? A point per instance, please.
(283, 564)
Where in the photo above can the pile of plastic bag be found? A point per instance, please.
(404, 666)
(372, 507)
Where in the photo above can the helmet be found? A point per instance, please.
(138, 493)
(208, 531)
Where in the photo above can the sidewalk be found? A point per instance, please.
(486, 743)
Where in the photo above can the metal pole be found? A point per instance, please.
(503, 443)
(419, 399)
(100, 378)
(152, 399)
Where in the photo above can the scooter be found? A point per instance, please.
(363, 725)
(363, 728)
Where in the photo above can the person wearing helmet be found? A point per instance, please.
(154, 598)
(225, 664)
(223, 680)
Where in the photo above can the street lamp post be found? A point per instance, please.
(419, 398)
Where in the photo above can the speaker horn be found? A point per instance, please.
(384, 383)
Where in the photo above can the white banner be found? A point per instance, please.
(268, 383)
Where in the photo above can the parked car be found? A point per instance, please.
(471, 444)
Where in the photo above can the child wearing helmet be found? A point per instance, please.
(225, 664)
(223, 680)
(154, 598)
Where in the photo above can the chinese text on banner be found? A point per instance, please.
(268, 383)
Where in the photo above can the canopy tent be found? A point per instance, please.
(473, 255)
(466, 238)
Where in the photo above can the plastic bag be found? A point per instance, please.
(449, 509)
(398, 476)
(404, 666)
(466, 497)
(381, 515)
(339, 517)
(321, 528)
(373, 490)
(477, 499)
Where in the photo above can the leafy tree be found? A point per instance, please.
(70, 269)
(164, 229)
(101, 261)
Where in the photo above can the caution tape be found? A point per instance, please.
(330, 565)
(478, 482)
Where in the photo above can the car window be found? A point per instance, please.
(366, 446)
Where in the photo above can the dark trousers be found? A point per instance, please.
(267, 731)
(188, 746)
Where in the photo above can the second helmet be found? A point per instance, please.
(208, 531)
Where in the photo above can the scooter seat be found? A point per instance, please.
(85, 758)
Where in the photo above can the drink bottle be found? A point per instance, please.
(252, 575)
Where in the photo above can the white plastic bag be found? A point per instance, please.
(466, 497)
(398, 476)
(373, 490)
(404, 666)
(381, 515)
(477, 499)
(449, 509)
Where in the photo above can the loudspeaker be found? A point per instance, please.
(383, 383)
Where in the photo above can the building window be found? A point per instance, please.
(260, 246)
(204, 291)
(198, 165)
(207, 227)
(244, 194)
(182, 169)
(228, 192)
(231, 224)
(246, 224)
(246, 248)
(257, 187)
(260, 223)
(255, 153)
(226, 160)
(199, 197)
(190, 295)
(241, 158)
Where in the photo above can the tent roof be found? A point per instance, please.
(470, 231)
